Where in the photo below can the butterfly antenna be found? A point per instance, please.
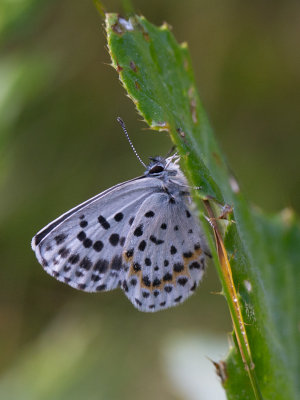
(170, 151)
(123, 126)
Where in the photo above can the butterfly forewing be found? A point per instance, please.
(85, 249)
(164, 253)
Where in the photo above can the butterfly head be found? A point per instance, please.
(156, 166)
(165, 169)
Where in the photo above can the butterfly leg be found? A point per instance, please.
(226, 209)
(171, 197)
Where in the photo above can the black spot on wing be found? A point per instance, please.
(129, 253)
(114, 239)
(87, 243)
(98, 245)
(136, 267)
(60, 238)
(86, 263)
(156, 282)
(100, 288)
(142, 245)
(116, 263)
(195, 265)
(63, 252)
(103, 222)
(138, 302)
(177, 300)
(149, 214)
(167, 277)
(101, 266)
(138, 231)
(118, 217)
(155, 240)
(182, 281)
(146, 281)
(173, 250)
(125, 286)
(74, 258)
(81, 286)
(178, 267)
(147, 261)
(81, 236)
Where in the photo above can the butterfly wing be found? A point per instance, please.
(165, 253)
(84, 246)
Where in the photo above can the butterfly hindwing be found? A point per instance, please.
(85, 248)
(165, 253)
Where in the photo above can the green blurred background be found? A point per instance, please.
(60, 144)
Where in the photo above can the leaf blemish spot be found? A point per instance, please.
(146, 36)
(133, 66)
(234, 185)
(217, 158)
(181, 133)
(141, 28)
(193, 104)
(164, 126)
(117, 29)
(127, 25)
(248, 286)
(186, 64)
(122, 26)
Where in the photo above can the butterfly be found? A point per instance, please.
(140, 236)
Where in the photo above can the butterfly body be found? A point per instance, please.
(140, 235)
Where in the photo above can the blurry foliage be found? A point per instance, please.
(61, 145)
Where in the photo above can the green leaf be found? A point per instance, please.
(274, 335)
(263, 251)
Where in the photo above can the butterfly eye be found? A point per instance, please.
(156, 169)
